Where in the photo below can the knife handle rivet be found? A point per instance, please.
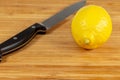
(33, 27)
(15, 38)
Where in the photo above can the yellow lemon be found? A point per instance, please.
(91, 26)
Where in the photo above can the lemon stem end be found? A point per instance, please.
(87, 41)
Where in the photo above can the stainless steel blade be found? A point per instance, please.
(63, 14)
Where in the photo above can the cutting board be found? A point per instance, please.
(56, 56)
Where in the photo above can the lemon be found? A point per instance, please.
(91, 26)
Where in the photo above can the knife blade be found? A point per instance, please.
(25, 36)
(63, 14)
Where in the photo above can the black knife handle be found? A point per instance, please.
(21, 39)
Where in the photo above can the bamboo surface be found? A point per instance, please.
(56, 56)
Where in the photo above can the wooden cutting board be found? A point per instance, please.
(55, 56)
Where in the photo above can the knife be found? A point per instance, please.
(24, 37)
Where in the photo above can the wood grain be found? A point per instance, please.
(55, 56)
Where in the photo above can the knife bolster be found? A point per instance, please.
(42, 28)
